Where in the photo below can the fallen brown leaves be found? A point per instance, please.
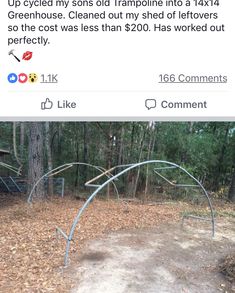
(31, 258)
(227, 267)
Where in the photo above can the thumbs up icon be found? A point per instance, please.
(47, 105)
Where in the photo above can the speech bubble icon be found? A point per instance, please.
(150, 103)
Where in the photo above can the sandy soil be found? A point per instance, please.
(163, 259)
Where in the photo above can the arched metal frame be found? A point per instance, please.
(64, 167)
(11, 168)
(109, 180)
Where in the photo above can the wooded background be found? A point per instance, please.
(206, 149)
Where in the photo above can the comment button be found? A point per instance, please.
(150, 104)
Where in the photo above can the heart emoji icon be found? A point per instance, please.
(22, 77)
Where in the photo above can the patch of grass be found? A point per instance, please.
(230, 214)
(198, 213)
(203, 213)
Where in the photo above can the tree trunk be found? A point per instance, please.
(231, 193)
(76, 183)
(121, 146)
(220, 167)
(131, 175)
(22, 139)
(60, 136)
(132, 140)
(150, 150)
(15, 150)
(35, 159)
(109, 155)
(49, 156)
(85, 150)
(191, 123)
(109, 148)
(139, 159)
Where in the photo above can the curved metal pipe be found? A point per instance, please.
(132, 166)
(9, 167)
(63, 168)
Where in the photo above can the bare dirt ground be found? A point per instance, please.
(163, 259)
(32, 254)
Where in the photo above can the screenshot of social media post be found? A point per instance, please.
(117, 146)
(117, 206)
(119, 59)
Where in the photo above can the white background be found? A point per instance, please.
(111, 74)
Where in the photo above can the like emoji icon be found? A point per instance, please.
(12, 78)
(22, 78)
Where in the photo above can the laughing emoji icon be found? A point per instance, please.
(33, 77)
